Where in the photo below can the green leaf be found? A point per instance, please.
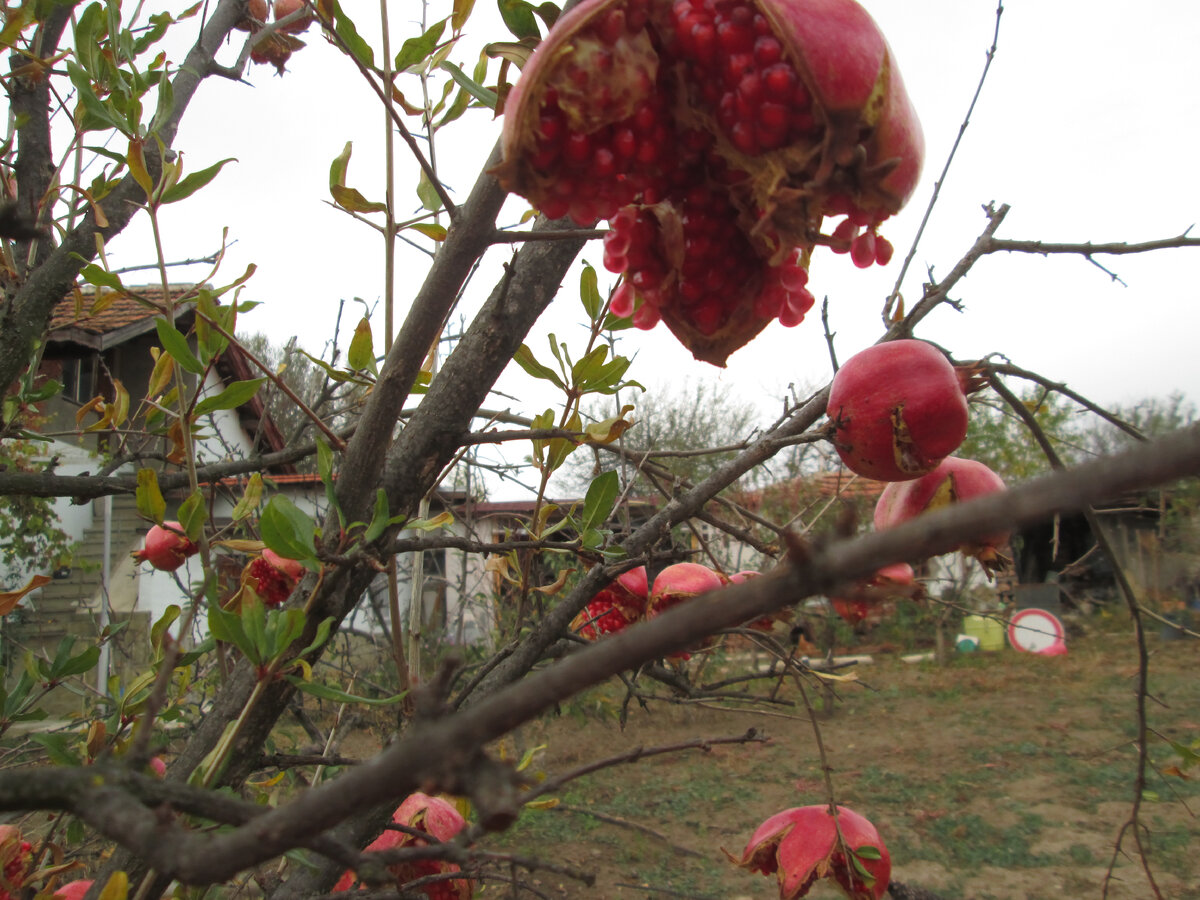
(287, 529)
(518, 18)
(93, 274)
(486, 96)
(250, 499)
(350, 199)
(232, 397)
(58, 748)
(344, 28)
(525, 359)
(379, 519)
(189, 184)
(589, 292)
(868, 852)
(227, 627)
(427, 194)
(192, 515)
(75, 665)
(361, 355)
(417, 49)
(176, 345)
(340, 165)
(430, 230)
(588, 368)
(325, 471)
(327, 692)
(599, 500)
(462, 12)
(319, 638)
(150, 502)
(159, 629)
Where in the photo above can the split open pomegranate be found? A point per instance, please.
(717, 135)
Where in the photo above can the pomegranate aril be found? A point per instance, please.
(767, 51)
(612, 26)
(862, 250)
(845, 233)
(623, 301)
(883, 250)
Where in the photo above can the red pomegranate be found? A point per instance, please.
(256, 15)
(801, 845)
(899, 410)
(16, 856)
(677, 584)
(716, 135)
(284, 8)
(167, 547)
(953, 480)
(275, 50)
(615, 607)
(274, 577)
(435, 817)
(872, 598)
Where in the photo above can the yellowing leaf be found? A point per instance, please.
(361, 355)
(117, 887)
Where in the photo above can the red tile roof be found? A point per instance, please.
(100, 318)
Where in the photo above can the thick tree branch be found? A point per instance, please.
(436, 754)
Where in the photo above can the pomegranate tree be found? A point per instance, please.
(898, 409)
(166, 548)
(803, 844)
(954, 480)
(615, 607)
(716, 135)
(440, 820)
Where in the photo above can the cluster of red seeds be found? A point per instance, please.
(601, 618)
(272, 586)
(15, 869)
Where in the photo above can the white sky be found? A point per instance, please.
(1087, 128)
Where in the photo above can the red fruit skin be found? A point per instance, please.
(73, 890)
(800, 845)
(678, 583)
(284, 8)
(166, 548)
(256, 14)
(898, 409)
(954, 480)
(436, 817)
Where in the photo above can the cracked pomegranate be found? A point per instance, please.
(615, 607)
(166, 547)
(677, 584)
(802, 844)
(440, 820)
(716, 135)
(16, 856)
(898, 409)
(954, 480)
(274, 577)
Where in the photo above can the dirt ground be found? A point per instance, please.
(1001, 775)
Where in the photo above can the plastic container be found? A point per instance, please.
(988, 631)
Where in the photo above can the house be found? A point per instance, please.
(99, 344)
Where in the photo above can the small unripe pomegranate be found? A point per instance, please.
(898, 409)
(801, 845)
(954, 480)
(166, 548)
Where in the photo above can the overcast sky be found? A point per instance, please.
(1087, 127)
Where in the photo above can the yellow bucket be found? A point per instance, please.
(989, 631)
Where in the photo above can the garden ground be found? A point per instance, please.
(1001, 775)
